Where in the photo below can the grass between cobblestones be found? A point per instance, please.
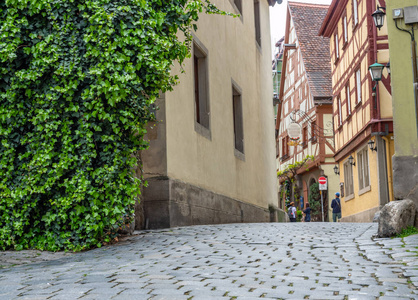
(411, 230)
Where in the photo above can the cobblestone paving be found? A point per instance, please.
(234, 261)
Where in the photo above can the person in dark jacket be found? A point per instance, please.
(307, 213)
(336, 207)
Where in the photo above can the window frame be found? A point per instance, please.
(358, 86)
(363, 169)
(336, 47)
(345, 30)
(238, 120)
(305, 136)
(340, 113)
(285, 148)
(313, 131)
(355, 14)
(201, 88)
(348, 98)
(348, 181)
(257, 22)
(238, 5)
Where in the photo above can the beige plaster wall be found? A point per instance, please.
(404, 110)
(210, 163)
(366, 200)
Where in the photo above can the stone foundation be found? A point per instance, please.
(362, 217)
(172, 203)
(405, 178)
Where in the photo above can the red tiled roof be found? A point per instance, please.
(307, 19)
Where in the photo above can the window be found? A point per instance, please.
(285, 147)
(358, 86)
(305, 136)
(313, 131)
(363, 169)
(201, 86)
(345, 29)
(348, 179)
(347, 93)
(257, 22)
(337, 54)
(355, 12)
(340, 117)
(237, 116)
(238, 4)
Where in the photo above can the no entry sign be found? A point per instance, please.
(322, 180)
(322, 183)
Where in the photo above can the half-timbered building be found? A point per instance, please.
(306, 100)
(362, 109)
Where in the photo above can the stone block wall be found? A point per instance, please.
(171, 203)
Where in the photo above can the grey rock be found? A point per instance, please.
(376, 217)
(396, 216)
(416, 218)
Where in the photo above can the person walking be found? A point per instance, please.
(336, 208)
(307, 212)
(292, 212)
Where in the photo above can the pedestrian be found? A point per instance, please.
(336, 208)
(307, 213)
(292, 212)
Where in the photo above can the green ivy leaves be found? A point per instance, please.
(76, 82)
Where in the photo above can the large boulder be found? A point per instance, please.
(396, 216)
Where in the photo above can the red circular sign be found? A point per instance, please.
(322, 180)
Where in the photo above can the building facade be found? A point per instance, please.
(405, 100)
(306, 100)
(211, 154)
(362, 109)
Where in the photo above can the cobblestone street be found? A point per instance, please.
(235, 261)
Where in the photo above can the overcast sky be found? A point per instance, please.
(278, 18)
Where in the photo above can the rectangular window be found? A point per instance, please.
(363, 168)
(340, 116)
(337, 54)
(348, 179)
(345, 29)
(347, 93)
(355, 12)
(285, 147)
(358, 86)
(201, 86)
(305, 136)
(238, 120)
(257, 22)
(313, 132)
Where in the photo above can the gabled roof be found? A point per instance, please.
(307, 19)
(329, 23)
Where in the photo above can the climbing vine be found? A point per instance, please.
(77, 79)
(287, 177)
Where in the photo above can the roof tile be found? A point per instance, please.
(307, 19)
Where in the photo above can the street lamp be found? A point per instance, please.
(336, 170)
(379, 17)
(388, 67)
(371, 145)
(376, 71)
(351, 160)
